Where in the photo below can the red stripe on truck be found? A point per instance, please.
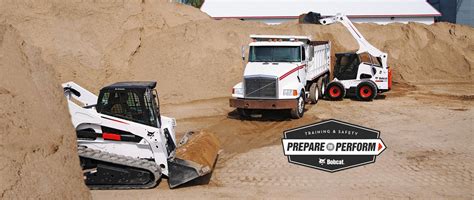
(291, 71)
(111, 136)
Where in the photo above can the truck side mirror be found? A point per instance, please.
(243, 53)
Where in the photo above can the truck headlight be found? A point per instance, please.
(238, 91)
(290, 92)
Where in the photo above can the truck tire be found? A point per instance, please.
(366, 91)
(244, 113)
(314, 93)
(322, 83)
(335, 91)
(298, 111)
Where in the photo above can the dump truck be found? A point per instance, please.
(125, 143)
(283, 72)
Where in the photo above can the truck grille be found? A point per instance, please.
(261, 87)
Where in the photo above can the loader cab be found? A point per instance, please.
(347, 65)
(134, 101)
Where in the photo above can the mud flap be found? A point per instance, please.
(183, 171)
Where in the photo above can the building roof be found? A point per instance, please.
(256, 9)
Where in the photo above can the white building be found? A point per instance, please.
(278, 11)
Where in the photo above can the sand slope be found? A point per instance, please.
(37, 145)
(45, 43)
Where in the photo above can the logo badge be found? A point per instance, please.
(332, 145)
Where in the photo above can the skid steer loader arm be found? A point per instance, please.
(364, 45)
(78, 93)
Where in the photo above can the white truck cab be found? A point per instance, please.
(282, 72)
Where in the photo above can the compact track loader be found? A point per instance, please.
(124, 142)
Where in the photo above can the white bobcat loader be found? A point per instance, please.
(124, 142)
(364, 72)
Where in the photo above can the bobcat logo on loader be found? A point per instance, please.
(150, 133)
(332, 145)
(322, 161)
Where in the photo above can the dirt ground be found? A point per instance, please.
(427, 128)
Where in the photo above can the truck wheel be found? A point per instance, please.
(335, 91)
(322, 83)
(298, 111)
(244, 113)
(314, 93)
(366, 91)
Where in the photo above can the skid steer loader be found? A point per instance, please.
(364, 73)
(124, 142)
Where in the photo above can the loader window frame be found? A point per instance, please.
(129, 104)
(153, 109)
(369, 59)
(347, 65)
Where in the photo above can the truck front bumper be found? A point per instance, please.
(263, 103)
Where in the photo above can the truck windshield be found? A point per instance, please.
(275, 54)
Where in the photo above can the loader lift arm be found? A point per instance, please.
(364, 45)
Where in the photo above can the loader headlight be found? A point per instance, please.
(290, 92)
(238, 91)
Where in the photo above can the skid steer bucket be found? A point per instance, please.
(195, 157)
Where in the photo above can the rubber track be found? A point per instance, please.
(121, 160)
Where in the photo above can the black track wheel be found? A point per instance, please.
(244, 113)
(314, 93)
(298, 111)
(366, 91)
(335, 91)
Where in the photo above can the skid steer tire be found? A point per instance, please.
(335, 91)
(314, 93)
(366, 91)
(298, 111)
(244, 113)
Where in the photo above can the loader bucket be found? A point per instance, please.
(195, 157)
(310, 18)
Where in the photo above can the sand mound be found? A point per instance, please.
(95, 43)
(193, 57)
(198, 60)
(37, 145)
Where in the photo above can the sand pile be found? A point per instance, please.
(90, 42)
(198, 60)
(44, 43)
(95, 43)
(193, 57)
(37, 145)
